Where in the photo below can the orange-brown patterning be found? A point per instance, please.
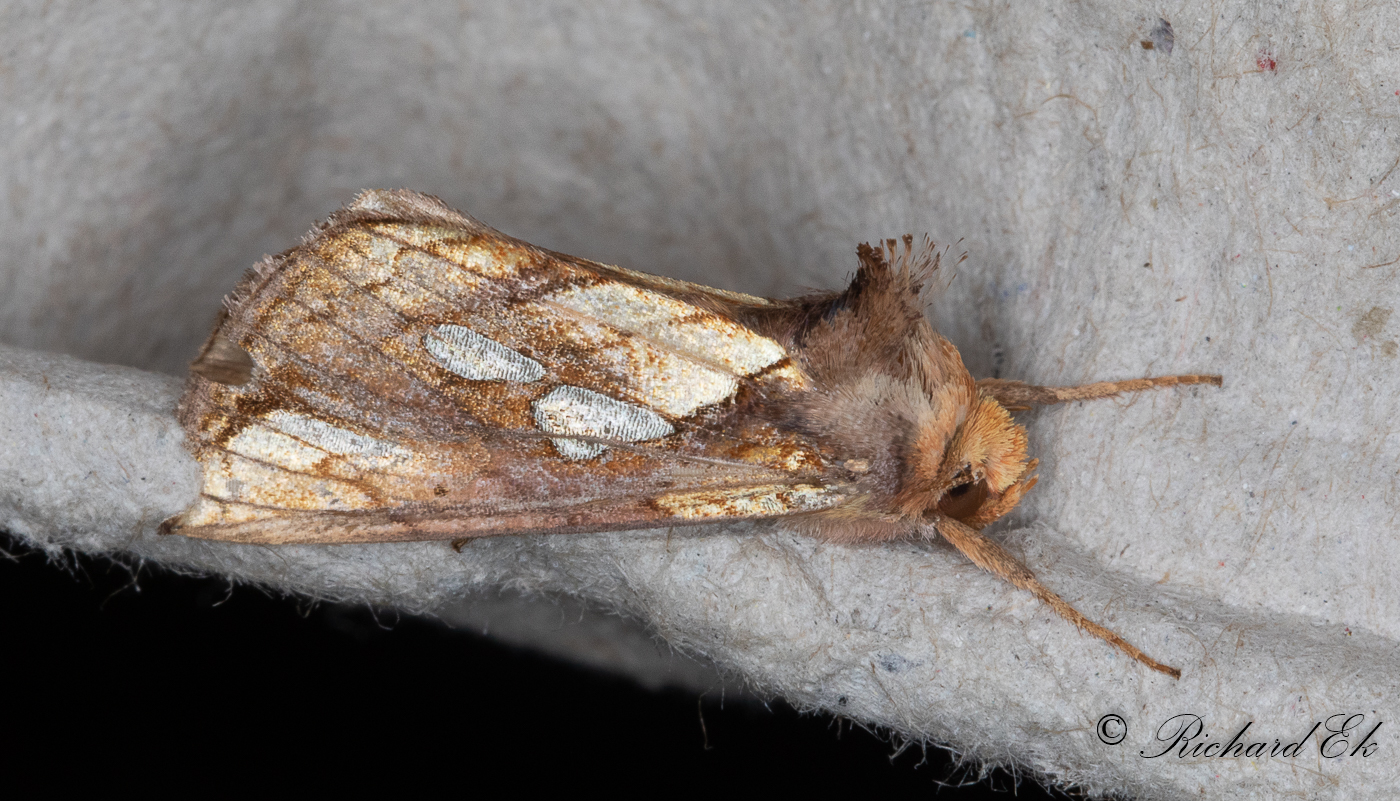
(408, 373)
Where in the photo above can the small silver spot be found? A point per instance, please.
(471, 355)
(575, 410)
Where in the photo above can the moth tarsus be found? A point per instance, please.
(408, 373)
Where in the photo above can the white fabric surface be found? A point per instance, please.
(1226, 206)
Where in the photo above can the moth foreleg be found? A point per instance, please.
(1020, 395)
(995, 559)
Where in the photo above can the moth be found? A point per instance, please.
(408, 373)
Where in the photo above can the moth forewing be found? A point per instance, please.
(408, 373)
(420, 376)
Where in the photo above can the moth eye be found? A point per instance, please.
(963, 500)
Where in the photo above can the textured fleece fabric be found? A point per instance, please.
(1219, 195)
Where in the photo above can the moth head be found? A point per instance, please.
(974, 471)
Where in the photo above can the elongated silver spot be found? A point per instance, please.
(471, 355)
(575, 410)
(333, 439)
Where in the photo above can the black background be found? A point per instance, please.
(160, 682)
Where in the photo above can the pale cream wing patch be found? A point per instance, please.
(703, 337)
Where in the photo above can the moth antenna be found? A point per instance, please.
(1020, 395)
(994, 559)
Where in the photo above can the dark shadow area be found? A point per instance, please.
(170, 682)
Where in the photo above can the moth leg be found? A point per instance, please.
(996, 560)
(1020, 395)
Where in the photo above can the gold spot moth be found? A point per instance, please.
(408, 373)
